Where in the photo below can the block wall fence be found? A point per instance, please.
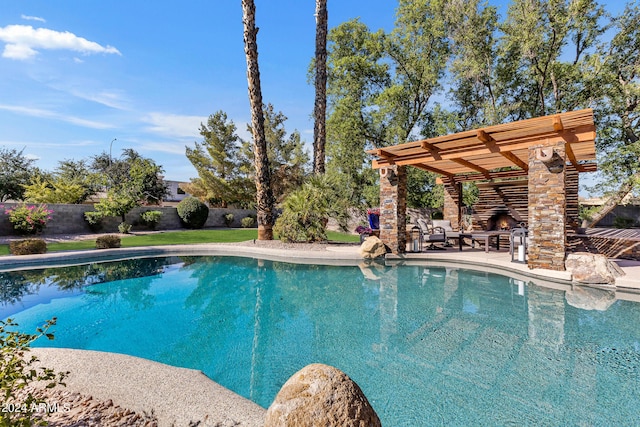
(69, 219)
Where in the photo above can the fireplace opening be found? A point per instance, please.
(501, 221)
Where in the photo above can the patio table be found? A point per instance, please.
(484, 236)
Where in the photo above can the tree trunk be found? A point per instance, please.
(610, 203)
(320, 107)
(264, 195)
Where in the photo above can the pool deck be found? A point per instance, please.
(178, 396)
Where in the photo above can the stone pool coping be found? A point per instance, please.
(179, 395)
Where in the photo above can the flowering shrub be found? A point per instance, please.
(29, 219)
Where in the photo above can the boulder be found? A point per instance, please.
(372, 247)
(593, 269)
(323, 396)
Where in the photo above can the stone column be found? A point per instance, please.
(393, 208)
(452, 209)
(547, 206)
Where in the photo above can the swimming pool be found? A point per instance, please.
(427, 345)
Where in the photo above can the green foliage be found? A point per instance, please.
(29, 219)
(623, 222)
(151, 218)
(124, 228)
(18, 371)
(192, 212)
(71, 182)
(228, 219)
(117, 203)
(587, 213)
(16, 171)
(108, 241)
(27, 247)
(247, 222)
(94, 219)
(305, 212)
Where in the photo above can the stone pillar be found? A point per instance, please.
(452, 209)
(547, 206)
(393, 208)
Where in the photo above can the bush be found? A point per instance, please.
(27, 247)
(29, 219)
(247, 222)
(192, 212)
(623, 222)
(124, 228)
(94, 219)
(19, 371)
(228, 219)
(304, 215)
(151, 218)
(107, 242)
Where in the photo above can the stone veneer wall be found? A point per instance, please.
(69, 219)
(451, 210)
(393, 208)
(547, 210)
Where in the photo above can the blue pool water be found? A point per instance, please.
(427, 345)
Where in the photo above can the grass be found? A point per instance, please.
(179, 238)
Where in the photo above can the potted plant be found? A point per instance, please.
(364, 232)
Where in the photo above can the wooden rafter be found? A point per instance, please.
(488, 151)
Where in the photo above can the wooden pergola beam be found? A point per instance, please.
(472, 166)
(434, 170)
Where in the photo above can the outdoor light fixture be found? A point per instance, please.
(416, 239)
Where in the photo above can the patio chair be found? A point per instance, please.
(446, 225)
(432, 234)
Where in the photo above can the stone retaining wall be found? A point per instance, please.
(69, 219)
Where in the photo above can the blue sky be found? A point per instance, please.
(75, 74)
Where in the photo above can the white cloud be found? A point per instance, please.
(37, 112)
(32, 18)
(164, 147)
(174, 125)
(22, 42)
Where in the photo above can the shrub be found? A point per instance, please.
(124, 228)
(94, 219)
(228, 219)
(623, 222)
(192, 212)
(247, 222)
(27, 247)
(19, 371)
(29, 219)
(151, 218)
(304, 215)
(108, 241)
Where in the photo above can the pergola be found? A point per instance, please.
(546, 152)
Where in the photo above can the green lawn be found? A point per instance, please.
(179, 238)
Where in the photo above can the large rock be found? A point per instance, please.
(321, 396)
(594, 269)
(372, 247)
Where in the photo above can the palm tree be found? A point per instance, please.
(320, 107)
(264, 195)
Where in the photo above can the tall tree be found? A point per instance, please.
(220, 180)
(617, 74)
(264, 195)
(320, 106)
(16, 171)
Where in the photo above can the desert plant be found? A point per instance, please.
(151, 218)
(27, 247)
(108, 241)
(304, 215)
(19, 371)
(29, 219)
(124, 228)
(228, 219)
(247, 222)
(192, 212)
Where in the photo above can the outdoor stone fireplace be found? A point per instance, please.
(501, 221)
